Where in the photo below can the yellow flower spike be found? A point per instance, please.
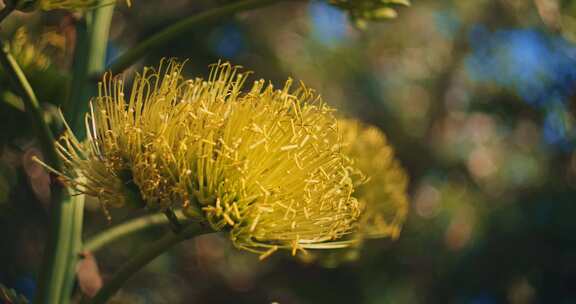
(119, 162)
(264, 163)
(383, 194)
(267, 166)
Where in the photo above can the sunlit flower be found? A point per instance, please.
(264, 163)
(361, 11)
(383, 194)
(119, 161)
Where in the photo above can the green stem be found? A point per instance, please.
(54, 263)
(179, 29)
(142, 259)
(57, 244)
(75, 246)
(175, 224)
(110, 235)
(89, 59)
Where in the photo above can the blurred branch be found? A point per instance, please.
(110, 235)
(8, 295)
(6, 11)
(179, 28)
(142, 259)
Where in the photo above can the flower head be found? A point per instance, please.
(383, 194)
(379, 184)
(264, 163)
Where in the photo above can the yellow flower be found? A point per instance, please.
(383, 194)
(379, 184)
(264, 163)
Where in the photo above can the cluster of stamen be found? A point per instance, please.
(264, 164)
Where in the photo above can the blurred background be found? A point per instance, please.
(477, 97)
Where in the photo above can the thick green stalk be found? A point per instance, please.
(179, 29)
(110, 235)
(89, 58)
(75, 247)
(54, 263)
(142, 259)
